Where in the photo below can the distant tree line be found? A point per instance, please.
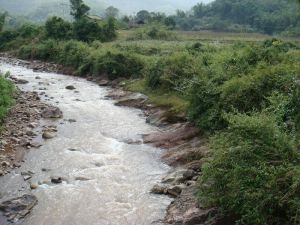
(266, 16)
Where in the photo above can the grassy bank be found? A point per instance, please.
(6, 97)
(244, 93)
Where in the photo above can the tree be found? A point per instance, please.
(143, 16)
(57, 28)
(199, 10)
(87, 30)
(170, 22)
(111, 12)
(2, 20)
(78, 9)
(109, 30)
(180, 13)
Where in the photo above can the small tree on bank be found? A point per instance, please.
(2, 20)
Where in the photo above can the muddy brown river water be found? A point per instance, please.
(115, 177)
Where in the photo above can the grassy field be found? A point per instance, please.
(211, 36)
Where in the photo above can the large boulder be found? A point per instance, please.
(52, 112)
(172, 138)
(17, 208)
(135, 100)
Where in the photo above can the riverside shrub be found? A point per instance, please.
(254, 172)
(6, 97)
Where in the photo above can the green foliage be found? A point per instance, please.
(86, 30)
(29, 31)
(6, 97)
(243, 16)
(240, 82)
(153, 32)
(254, 172)
(59, 29)
(2, 20)
(78, 9)
(117, 64)
(111, 12)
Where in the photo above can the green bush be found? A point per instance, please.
(153, 32)
(87, 30)
(173, 72)
(240, 79)
(117, 64)
(6, 97)
(6, 37)
(254, 172)
(59, 29)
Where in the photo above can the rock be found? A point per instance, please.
(5, 164)
(30, 133)
(178, 177)
(172, 138)
(159, 189)
(188, 175)
(46, 170)
(70, 87)
(73, 150)
(35, 144)
(27, 177)
(195, 165)
(52, 112)
(48, 135)
(33, 186)
(103, 83)
(56, 180)
(157, 119)
(135, 100)
(33, 125)
(37, 77)
(158, 223)
(17, 208)
(1, 173)
(175, 190)
(133, 142)
(72, 121)
(21, 81)
(82, 178)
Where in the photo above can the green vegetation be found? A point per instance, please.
(6, 97)
(266, 16)
(242, 91)
(245, 94)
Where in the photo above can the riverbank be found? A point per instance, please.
(185, 149)
(22, 132)
(22, 126)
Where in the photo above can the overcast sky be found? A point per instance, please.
(130, 6)
(125, 6)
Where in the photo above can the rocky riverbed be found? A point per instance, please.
(185, 148)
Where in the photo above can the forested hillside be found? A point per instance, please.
(267, 16)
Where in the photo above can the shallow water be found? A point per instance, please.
(120, 175)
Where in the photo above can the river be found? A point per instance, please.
(119, 176)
